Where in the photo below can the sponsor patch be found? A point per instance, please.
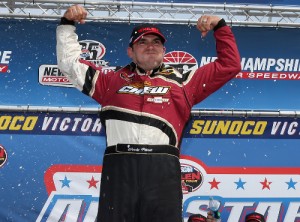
(157, 100)
(149, 90)
(127, 77)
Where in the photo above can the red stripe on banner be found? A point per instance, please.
(269, 75)
(244, 170)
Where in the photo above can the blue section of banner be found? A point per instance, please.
(23, 189)
(246, 152)
(229, 141)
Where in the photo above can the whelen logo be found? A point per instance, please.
(4, 61)
(191, 178)
(51, 75)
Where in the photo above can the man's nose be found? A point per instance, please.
(150, 44)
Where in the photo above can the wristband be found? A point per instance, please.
(65, 21)
(220, 24)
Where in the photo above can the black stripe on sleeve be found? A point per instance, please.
(88, 82)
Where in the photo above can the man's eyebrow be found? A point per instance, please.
(157, 38)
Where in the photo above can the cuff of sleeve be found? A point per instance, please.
(220, 24)
(65, 21)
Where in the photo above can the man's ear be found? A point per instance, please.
(129, 52)
(165, 50)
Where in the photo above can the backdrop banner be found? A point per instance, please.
(51, 162)
(29, 74)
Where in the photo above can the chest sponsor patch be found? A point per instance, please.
(157, 100)
(149, 90)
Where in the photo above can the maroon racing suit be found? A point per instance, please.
(144, 114)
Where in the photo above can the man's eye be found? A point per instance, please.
(141, 43)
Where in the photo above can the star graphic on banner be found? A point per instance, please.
(240, 184)
(65, 182)
(291, 184)
(266, 184)
(214, 184)
(92, 182)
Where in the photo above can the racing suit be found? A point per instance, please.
(144, 114)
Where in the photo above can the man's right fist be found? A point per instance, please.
(76, 13)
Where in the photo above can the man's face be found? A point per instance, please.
(148, 52)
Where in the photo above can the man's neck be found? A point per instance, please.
(142, 71)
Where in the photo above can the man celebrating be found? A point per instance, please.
(145, 106)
